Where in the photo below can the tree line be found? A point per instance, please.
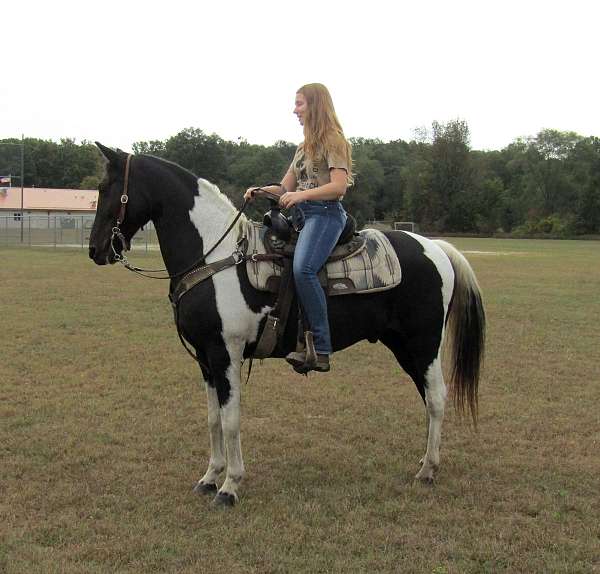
(547, 184)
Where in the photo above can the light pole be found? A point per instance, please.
(22, 183)
(22, 146)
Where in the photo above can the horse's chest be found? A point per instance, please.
(237, 319)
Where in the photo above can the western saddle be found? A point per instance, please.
(280, 243)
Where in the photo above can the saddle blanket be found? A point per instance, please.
(373, 267)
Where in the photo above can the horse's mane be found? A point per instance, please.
(169, 164)
(203, 185)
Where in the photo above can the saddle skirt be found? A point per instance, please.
(366, 264)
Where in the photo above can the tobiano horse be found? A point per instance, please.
(438, 298)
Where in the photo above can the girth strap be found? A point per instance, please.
(278, 317)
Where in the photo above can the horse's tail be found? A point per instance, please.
(466, 330)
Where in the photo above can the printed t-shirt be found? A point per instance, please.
(310, 175)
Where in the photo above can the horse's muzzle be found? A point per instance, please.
(98, 258)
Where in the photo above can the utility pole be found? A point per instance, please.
(22, 177)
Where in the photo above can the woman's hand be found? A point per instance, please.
(290, 198)
(251, 193)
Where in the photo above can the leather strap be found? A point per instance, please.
(125, 196)
(278, 317)
(201, 274)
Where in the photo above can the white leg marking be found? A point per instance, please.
(435, 398)
(230, 419)
(217, 461)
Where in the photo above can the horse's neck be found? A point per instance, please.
(211, 215)
(192, 221)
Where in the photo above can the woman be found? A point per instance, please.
(316, 181)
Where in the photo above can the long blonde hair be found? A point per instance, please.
(322, 129)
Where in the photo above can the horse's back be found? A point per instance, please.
(422, 261)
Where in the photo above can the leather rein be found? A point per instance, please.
(239, 255)
(192, 275)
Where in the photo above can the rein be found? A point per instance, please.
(125, 245)
(192, 275)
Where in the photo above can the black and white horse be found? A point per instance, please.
(222, 317)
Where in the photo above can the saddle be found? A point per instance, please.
(364, 262)
(282, 233)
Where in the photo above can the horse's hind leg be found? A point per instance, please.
(435, 401)
(430, 384)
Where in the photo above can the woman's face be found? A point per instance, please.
(300, 107)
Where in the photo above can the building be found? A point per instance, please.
(45, 208)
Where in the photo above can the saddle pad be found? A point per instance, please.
(375, 267)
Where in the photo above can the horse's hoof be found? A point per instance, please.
(224, 500)
(205, 488)
(425, 480)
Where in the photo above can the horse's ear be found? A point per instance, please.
(113, 157)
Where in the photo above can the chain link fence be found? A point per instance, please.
(61, 231)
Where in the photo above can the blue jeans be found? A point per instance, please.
(323, 225)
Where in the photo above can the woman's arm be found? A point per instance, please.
(288, 183)
(335, 189)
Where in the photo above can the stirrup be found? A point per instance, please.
(311, 354)
(305, 360)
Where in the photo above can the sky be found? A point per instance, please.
(128, 70)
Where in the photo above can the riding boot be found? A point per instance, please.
(307, 359)
(298, 359)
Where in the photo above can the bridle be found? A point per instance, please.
(239, 254)
(116, 230)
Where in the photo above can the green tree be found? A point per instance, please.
(417, 174)
(586, 159)
(547, 183)
(368, 179)
(451, 183)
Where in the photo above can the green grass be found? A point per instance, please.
(103, 435)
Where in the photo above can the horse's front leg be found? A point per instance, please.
(216, 465)
(230, 420)
(226, 376)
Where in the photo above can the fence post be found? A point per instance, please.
(55, 232)
(29, 225)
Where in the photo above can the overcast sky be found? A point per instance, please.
(125, 71)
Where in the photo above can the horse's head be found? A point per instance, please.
(108, 239)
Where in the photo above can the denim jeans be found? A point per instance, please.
(323, 225)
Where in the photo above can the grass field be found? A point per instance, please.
(103, 435)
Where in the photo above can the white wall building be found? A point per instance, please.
(46, 206)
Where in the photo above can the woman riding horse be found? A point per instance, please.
(317, 180)
(223, 317)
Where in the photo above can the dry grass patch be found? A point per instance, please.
(103, 435)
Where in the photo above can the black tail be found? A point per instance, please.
(466, 329)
